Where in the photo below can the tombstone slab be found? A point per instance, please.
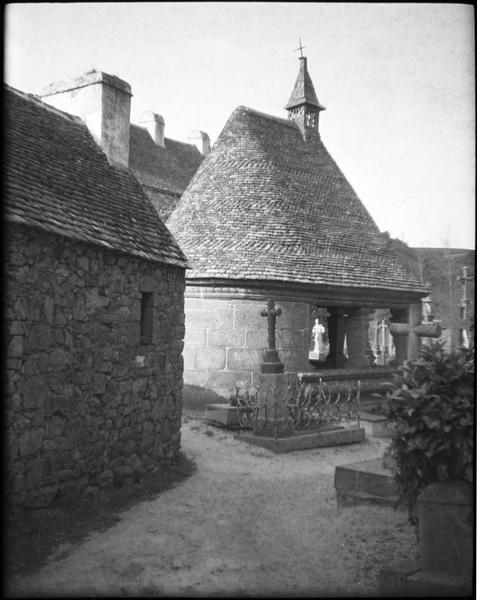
(445, 512)
(365, 482)
(222, 414)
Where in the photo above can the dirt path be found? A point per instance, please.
(247, 522)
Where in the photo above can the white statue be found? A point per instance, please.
(318, 331)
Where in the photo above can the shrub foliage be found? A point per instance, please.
(431, 409)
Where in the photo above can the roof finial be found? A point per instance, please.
(300, 48)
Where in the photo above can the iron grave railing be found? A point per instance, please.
(301, 407)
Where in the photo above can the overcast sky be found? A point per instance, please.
(397, 81)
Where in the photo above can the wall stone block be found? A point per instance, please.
(230, 338)
(194, 377)
(243, 360)
(257, 339)
(215, 318)
(34, 392)
(295, 316)
(210, 358)
(247, 316)
(293, 361)
(224, 382)
(287, 339)
(39, 338)
(195, 337)
(49, 310)
(17, 328)
(30, 442)
(59, 359)
(15, 347)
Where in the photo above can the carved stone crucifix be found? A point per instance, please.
(271, 313)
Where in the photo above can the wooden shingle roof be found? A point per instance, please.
(58, 179)
(266, 205)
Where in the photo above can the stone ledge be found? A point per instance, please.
(305, 441)
(362, 498)
(345, 374)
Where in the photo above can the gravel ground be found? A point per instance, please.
(247, 522)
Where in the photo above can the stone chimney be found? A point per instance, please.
(104, 103)
(201, 140)
(155, 125)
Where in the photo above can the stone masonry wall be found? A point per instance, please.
(87, 404)
(225, 339)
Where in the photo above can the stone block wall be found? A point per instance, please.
(224, 341)
(87, 405)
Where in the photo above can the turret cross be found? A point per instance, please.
(271, 313)
(300, 48)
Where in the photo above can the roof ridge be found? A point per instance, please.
(35, 99)
(258, 113)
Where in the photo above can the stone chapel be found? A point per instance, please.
(276, 237)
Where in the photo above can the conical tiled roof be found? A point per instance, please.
(266, 205)
(303, 90)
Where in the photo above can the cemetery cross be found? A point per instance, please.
(271, 313)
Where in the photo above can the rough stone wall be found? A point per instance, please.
(225, 339)
(87, 404)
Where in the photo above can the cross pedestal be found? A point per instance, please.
(271, 361)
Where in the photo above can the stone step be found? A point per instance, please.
(374, 424)
(364, 482)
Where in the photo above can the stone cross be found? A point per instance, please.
(271, 313)
(407, 336)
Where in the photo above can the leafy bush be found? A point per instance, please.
(431, 413)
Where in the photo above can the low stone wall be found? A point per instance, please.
(225, 339)
(87, 404)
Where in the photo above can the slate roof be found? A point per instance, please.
(168, 169)
(58, 179)
(266, 205)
